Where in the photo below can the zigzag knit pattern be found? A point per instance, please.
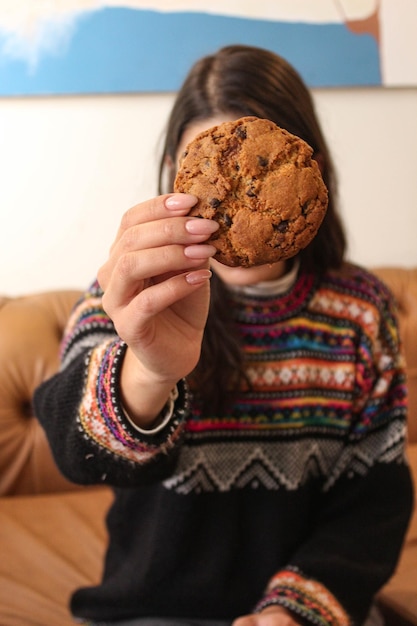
(327, 393)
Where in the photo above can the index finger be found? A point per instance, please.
(157, 208)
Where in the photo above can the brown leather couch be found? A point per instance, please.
(52, 533)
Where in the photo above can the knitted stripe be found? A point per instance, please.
(101, 416)
(306, 598)
(87, 325)
(337, 358)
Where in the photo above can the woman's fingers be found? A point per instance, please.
(157, 208)
(182, 230)
(156, 283)
(134, 271)
(157, 298)
(163, 323)
(155, 226)
(153, 210)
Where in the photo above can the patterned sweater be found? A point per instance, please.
(300, 497)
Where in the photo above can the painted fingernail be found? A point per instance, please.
(199, 251)
(198, 277)
(180, 201)
(198, 226)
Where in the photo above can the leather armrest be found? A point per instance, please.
(30, 333)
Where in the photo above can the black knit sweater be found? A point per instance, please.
(300, 497)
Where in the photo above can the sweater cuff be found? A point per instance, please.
(102, 417)
(305, 598)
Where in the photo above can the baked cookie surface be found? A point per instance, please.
(260, 183)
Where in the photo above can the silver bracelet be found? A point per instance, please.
(163, 418)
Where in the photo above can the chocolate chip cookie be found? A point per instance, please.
(260, 183)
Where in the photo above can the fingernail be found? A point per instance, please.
(180, 201)
(199, 251)
(198, 226)
(200, 276)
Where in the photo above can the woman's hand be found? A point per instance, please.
(271, 616)
(156, 291)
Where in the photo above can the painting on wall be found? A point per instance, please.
(133, 46)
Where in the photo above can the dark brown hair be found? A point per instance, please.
(245, 80)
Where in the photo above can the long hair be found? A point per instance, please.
(246, 80)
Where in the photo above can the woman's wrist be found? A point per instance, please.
(146, 402)
(161, 420)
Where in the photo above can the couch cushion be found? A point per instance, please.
(50, 545)
(400, 594)
(403, 284)
(30, 334)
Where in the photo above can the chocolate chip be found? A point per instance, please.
(231, 149)
(227, 220)
(214, 203)
(241, 132)
(282, 227)
(263, 161)
(250, 193)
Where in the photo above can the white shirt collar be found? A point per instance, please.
(270, 287)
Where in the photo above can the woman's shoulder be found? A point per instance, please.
(357, 282)
(355, 294)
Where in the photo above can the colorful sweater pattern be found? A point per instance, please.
(322, 421)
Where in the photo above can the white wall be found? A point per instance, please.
(71, 166)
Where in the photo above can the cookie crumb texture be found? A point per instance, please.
(260, 183)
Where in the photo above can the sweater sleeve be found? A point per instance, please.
(366, 501)
(91, 438)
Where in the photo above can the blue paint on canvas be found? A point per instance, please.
(131, 50)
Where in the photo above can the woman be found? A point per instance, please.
(255, 437)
